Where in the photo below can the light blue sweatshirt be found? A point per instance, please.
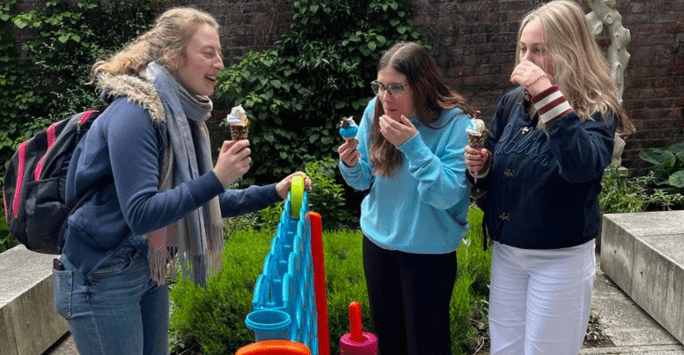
(423, 208)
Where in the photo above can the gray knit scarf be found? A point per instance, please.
(198, 237)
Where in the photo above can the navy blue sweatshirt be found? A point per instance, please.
(124, 143)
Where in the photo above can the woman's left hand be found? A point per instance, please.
(284, 185)
(396, 132)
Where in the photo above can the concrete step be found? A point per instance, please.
(29, 323)
(643, 254)
(628, 329)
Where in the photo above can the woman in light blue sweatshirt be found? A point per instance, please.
(409, 151)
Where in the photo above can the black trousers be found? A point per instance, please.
(409, 298)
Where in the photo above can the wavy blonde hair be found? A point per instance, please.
(582, 72)
(430, 96)
(168, 38)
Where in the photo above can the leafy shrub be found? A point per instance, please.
(296, 92)
(235, 224)
(46, 80)
(668, 167)
(620, 194)
(327, 197)
(211, 321)
(469, 330)
(17, 95)
(345, 283)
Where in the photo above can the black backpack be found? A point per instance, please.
(34, 188)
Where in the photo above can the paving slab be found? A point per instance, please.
(65, 346)
(628, 327)
(29, 323)
(642, 253)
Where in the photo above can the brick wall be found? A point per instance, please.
(474, 44)
(654, 79)
(246, 25)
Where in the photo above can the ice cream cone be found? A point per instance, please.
(477, 133)
(348, 128)
(239, 132)
(477, 141)
(239, 124)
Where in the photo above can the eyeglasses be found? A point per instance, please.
(393, 89)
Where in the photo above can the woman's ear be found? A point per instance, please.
(175, 62)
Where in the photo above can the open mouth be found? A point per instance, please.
(211, 78)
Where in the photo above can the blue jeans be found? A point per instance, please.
(117, 309)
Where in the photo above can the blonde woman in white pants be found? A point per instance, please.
(550, 141)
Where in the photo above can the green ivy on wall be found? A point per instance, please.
(44, 79)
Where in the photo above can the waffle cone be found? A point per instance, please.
(239, 132)
(477, 142)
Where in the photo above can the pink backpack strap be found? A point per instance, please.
(52, 137)
(85, 117)
(20, 179)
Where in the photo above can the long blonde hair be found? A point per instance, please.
(581, 71)
(430, 96)
(168, 38)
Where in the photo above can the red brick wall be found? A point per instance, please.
(474, 43)
(654, 79)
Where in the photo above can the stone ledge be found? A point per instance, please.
(642, 253)
(29, 324)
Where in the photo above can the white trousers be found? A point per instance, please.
(539, 300)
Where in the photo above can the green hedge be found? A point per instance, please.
(43, 76)
(211, 321)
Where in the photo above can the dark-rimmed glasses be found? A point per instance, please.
(393, 89)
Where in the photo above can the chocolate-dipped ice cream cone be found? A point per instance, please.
(239, 124)
(477, 133)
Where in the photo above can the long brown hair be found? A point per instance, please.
(430, 96)
(167, 39)
(582, 72)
